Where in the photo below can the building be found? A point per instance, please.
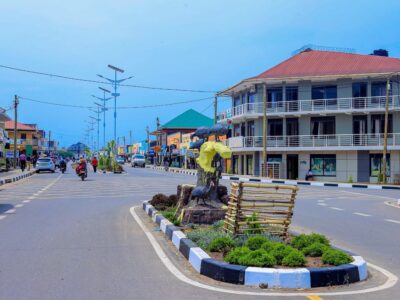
(78, 149)
(325, 111)
(169, 135)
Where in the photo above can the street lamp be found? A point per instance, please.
(115, 83)
(104, 99)
(98, 125)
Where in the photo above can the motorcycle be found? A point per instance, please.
(82, 174)
(63, 167)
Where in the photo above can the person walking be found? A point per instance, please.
(28, 162)
(22, 161)
(94, 164)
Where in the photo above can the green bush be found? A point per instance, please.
(255, 228)
(302, 241)
(268, 246)
(315, 249)
(218, 225)
(258, 258)
(221, 244)
(280, 251)
(294, 259)
(255, 242)
(336, 257)
(204, 236)
(170, 214)
(234, 255)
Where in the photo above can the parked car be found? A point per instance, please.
(138, 160)
(45, 164)
(120, 160)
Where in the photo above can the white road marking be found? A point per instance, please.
(19, 205)
(26, 201)
(361, 214)
(391, 278)
(3, 217)
(10, 211)
(392, 221)
(336, 208)
(322, 204)
(31, 197)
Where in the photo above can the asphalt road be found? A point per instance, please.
(66, 239)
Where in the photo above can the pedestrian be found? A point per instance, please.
(28, 162)
(94, 164)
(309, 175)
(22, 161)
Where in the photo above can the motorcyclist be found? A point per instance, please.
(63, 164)
(81, 166)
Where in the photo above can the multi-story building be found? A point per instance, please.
(29, 137)
(325, 111)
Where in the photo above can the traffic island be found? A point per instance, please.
(14, 178)
(291, 278)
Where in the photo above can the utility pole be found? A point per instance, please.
(385, 133)
(98, 125)
(215, 108)
(49, 142)
(16, 102)
(130, 137)
(264, 169)
(104, 109)
(148, 141)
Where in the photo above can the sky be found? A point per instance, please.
(199, 45)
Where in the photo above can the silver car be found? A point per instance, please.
(45, 164)
(138, 161)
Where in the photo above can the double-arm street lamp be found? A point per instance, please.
(115, 83)
(104, 109)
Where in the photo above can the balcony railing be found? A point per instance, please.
(316, 105)
(316, 141)
(33, 142)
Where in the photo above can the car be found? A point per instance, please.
(120, 160)
(138, 160)
(45, 164)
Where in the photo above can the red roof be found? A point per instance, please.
(20, 126)
(320, 63)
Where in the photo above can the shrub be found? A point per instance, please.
(268, 246)
(302, 241)
(258, 258)
(255, 228)
(221, 244)
(218, 225)
(336, 257)
(255, 242)
(315, 249)
(234, 255)
(162, 202)
(280, 251)
(294, 259)
(204, 236)
(170, 214)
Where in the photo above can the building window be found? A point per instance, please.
(23, 136)
(275, 127)
(249, 164)
(292, 93)
(236, 101)
(274, 95)
(323, 164)
(324, 92)
(378, 124)
(250, 128)
(235, 164)
(359, 89)
(236, 130)
(376, 163)
(323, 126)
(378, 89)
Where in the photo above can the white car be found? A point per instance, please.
(45, 164)
(120, 160)
(138, 160)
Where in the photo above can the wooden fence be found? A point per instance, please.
(256, 208)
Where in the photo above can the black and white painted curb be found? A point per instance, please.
(288, 182)
(16, 178)
(299, 278)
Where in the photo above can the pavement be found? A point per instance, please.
(62, 238)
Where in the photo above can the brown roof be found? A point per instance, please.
(20, 126)
(320, 63)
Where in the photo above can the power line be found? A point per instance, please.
(103, 82)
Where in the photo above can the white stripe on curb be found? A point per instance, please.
(176, 238)
(196, 255)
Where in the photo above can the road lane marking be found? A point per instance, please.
(314, 297)
(392, 221)
(361, 214)
(19, 205)
(3, 217)
(10, 211)
(336, 208)
(322, 204)
(390, 282)
(26, 201)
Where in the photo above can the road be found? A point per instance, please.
(66, 239)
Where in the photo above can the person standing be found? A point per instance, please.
(94, 164)
(22, 161)
(28, 162)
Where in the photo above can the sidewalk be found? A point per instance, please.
(14, 175)
(284, 181)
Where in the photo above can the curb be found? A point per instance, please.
(299, 278)
(287, 182)
(16, 178)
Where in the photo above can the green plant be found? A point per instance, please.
(350, 180)
(258, 258)
(221, 244)
(101, 162)
(204, 236)
(218, 225)
(268, 246)
(280, 251)
(234, 255)
(254, 228)
(315, 249)
(336, 257)
(170, 214)
(294, 259)
(380, 178)
(302, 241)
(255, 242)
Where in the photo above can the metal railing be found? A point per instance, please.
(315, 141)
(316, 105)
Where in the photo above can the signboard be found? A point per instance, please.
(174, 139)
(28, 150)
(10, 154)
(185, 141)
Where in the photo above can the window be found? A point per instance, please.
(324, 92)
(249, 164)
(23, 136)
(378, 89)
(375, 164)
(235, 164)
(275, 127)
(378, 124)
(323, 164)
(360, 89)
(236, 101)
(250, 128)
(274, 158)
(323, 125)
(292, 93)
(236, 130)
(274, 95)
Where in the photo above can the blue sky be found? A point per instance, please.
(206, 45)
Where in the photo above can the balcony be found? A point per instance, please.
(337, 142)
(316, 106)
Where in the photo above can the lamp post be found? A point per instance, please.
(104, 99)
(115, 83)
(98, 126)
